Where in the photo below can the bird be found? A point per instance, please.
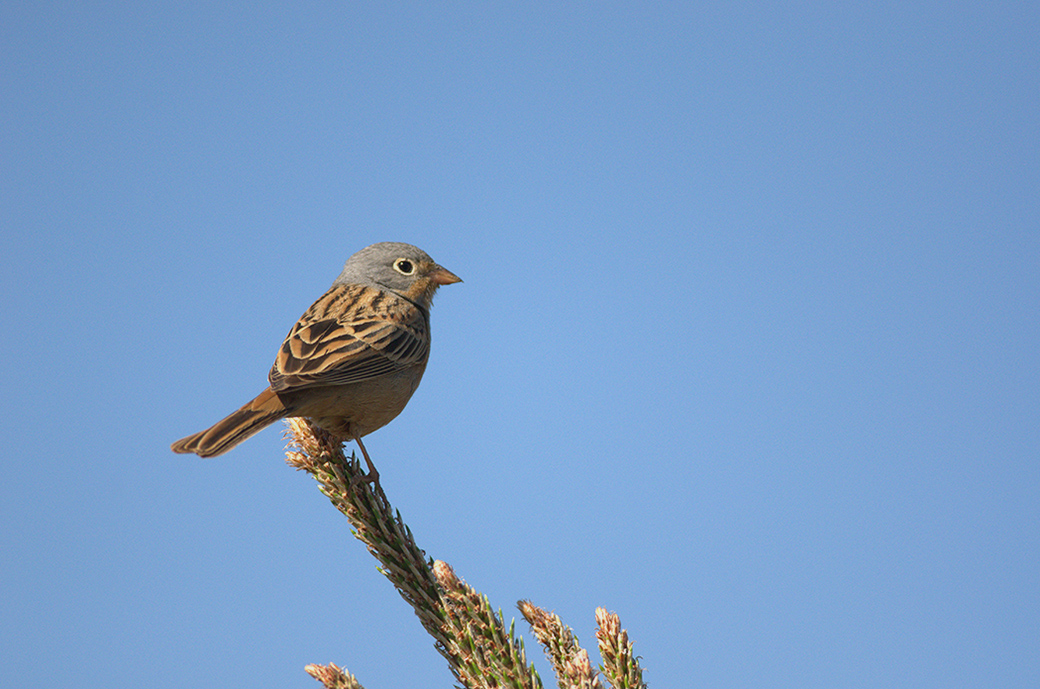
(352, 360)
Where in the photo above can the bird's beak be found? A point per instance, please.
(443, 276)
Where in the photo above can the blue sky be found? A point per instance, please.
(748, 347)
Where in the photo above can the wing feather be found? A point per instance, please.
(352, 333)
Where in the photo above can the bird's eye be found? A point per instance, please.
(404, 266)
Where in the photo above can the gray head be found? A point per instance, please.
(397, 267)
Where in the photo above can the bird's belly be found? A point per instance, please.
(355, 410)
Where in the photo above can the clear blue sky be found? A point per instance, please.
(748, 347)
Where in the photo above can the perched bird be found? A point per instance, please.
(353, 359)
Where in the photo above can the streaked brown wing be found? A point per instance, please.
(352, 333)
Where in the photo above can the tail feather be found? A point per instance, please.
(252, 418)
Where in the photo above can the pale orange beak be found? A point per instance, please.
(443, 276)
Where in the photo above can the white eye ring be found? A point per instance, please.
(404, 266)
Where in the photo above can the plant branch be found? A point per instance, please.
(481, 651)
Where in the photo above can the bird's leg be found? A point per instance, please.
(373, 475)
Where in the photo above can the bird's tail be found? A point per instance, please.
(252, 418)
